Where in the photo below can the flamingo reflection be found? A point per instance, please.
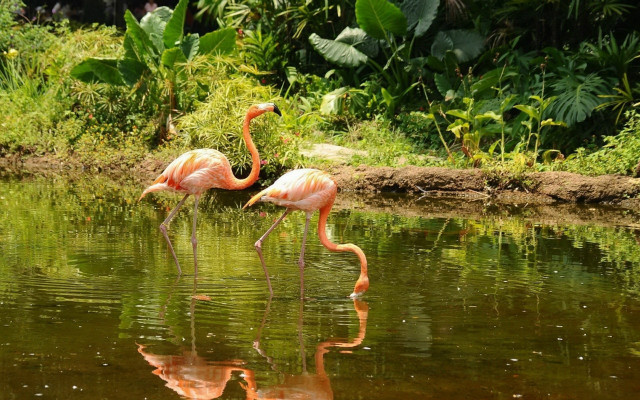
(193, 376)
(307, 385)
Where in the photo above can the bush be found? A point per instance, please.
(217, 121)
(620, 154)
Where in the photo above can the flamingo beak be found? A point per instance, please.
(277, 110)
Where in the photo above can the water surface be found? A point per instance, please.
(494, 305)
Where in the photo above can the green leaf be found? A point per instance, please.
(420, 14)
(578, 96)
(103, 70)
(377, 17)
(435, 64)
(190, 46)
(388, 98)
(154, 24)
(532, 112)
(222, 41)
(442, 83)
(332, 102)
(459, 128)
(459, 114)
(172, 56)
(145, 48)
(550, 122)
(131, 70)
(489, 115)
(360, 40)
(466, 44)
(342, 54)
(175, 27)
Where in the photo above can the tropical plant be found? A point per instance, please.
(378, 43)
(156, 52)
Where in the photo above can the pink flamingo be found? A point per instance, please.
(196, 171)
(308, 190)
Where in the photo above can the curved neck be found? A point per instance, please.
(239, 184)
(322, 234)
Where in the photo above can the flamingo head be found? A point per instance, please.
(361, 286)
(262, 108)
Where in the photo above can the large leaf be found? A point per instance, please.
(154, 24)
(577, 97)
(442, 83)
(332, 102)
(103, 70)
(420, 14)
(174, 30)
(360, 40)
(144, 45)
(172, 56)
(466, 44)
(377, 17)
(222, 41)
(190, 45)
(131, 70)
(339, 53)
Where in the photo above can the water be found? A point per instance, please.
(498, 304)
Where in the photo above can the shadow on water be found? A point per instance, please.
(468, 299)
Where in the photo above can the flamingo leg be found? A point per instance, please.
(301, 259)
(165, 224)
(258, 246)
(194, 240)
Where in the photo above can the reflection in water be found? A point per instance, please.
(191, 375)
(194, 377)
(307, 385)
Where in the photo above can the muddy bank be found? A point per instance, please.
(532, 188)
(472, 184)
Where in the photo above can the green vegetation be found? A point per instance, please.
(456, 83)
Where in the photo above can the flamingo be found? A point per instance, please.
(307, 190)
(196, 171)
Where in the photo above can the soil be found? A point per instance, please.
(542, 188)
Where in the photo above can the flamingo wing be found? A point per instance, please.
(194, 172)
(300, 189)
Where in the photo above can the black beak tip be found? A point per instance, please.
(277, 110)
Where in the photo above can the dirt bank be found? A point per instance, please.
(539, 187)
(532, 188)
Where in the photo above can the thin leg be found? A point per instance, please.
(258, 246)
(194, 240)
(303, 356)
(301, 259)
(165, 224)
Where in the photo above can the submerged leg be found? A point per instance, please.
(301, 259)
(258, 246)
(165, 224)
(194, 240)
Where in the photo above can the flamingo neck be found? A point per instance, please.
(239, 184)
(363, 281)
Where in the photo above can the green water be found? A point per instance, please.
(494, 305)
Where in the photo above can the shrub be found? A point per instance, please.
(217, 121)
(620, 154)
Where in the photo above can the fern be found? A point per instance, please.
(577, 97)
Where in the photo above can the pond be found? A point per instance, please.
(501, 302)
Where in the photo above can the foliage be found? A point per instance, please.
(619, 155)
(155, 54)
(379, 43)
